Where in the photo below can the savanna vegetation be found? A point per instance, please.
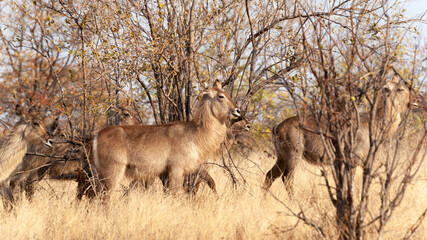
(82, 66)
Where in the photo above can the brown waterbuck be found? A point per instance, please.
(60, 162)
(295, 141)
(13, 146)
(143, 153)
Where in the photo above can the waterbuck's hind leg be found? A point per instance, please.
(84, 186)
(209, 180)
(272, 175)
(283, 171)
(87, 182)
(284, 167)
(288, 180)
(110, 178)
(204, 176)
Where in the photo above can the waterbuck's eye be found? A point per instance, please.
(387, 90)
(401, 89)
(36, 124)
(221, 96)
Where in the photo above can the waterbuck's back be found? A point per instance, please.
(291, 136)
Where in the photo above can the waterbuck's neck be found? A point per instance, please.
(13, 147)
(209, 132)
(387, 117)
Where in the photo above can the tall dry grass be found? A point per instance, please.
(236, 213)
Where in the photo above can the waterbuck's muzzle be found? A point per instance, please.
(415, 105)
(419, 102)
(48, 143)
(236, 113)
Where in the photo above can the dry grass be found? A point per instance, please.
(242, 213)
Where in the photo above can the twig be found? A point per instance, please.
(414, 227)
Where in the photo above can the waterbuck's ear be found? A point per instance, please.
(53, 127)
(18, 110)
(217, 84)
(388, 88)
(35, 122)
(206, 96)
(391, 84)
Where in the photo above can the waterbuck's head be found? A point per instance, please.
(399, 96)
(218, 103)
(33, 130)
(126, 118)
(36, 133)
(241, 126)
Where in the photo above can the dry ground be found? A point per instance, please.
(242, 213)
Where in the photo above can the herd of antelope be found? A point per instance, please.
(173, 152)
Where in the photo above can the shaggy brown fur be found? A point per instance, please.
(146, 152)
(294, 143)
(13, 147)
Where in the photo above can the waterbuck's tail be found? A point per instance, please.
(274, 137)
(95, 151)
(87, 181)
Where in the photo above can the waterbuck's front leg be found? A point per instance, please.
(8, 199)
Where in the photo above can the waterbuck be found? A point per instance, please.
(60, 162)
(143, 153)
(13, 146)
(294, 141)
